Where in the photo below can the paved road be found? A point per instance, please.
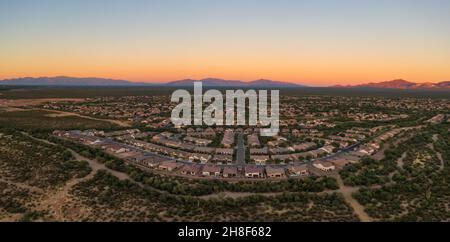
(240, 155)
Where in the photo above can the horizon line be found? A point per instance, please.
(304, 83)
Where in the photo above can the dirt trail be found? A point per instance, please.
(239, 194)
(94, 164)
(438, 154)
(347, 193)
(400, 160)
(65, 114)
(59, 201)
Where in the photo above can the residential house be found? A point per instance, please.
(203, 158)
(191, 169)
(253, 140)
(275, 172)
(253, 171)
(170, 165)
(259, 159)
(230, 171)
(298, 170)
(211, 170)
(223, 158)
(324, 166)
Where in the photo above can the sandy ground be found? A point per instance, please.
(11, 105)
(57, 113)
(59, 202)
(17, 103)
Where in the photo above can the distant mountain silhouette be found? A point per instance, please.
(67, 81)
(73, 81)
(214, 82)
(208, 82)
(402, 84)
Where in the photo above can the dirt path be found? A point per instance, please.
(94, 164)
(65, 114)
(435, 138)
(347, 193)
(380, 154)
(59, 202)
(239, 195)
(400, 160)
(441, 166)
(400, 164)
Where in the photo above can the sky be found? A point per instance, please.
(314, 42)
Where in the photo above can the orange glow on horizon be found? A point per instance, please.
(310, 76)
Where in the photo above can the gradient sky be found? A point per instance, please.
(315, 42)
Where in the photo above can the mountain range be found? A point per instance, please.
(402, 84)
(72, 81)
(210, 82)
(214, 82)
(66, 81)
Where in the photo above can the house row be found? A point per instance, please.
(248, 171)
(262, 159)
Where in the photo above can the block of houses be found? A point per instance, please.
(260, 151)
(223, 158)
(203, 158)
(224, 151)
(205, 150)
